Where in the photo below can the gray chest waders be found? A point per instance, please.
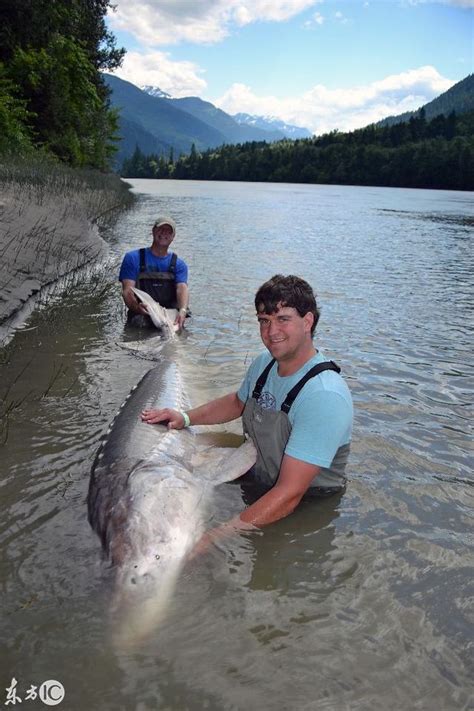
(270, 431)
(160, 285)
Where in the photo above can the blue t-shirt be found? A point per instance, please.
(131, 265)
(321, 415)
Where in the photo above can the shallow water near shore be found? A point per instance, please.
(359, 603)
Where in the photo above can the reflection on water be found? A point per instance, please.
(351, 603)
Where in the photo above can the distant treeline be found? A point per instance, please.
(416, 154)
(53, 100)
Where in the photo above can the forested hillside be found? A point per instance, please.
(52, 96)
(419, 154)
(460, 98)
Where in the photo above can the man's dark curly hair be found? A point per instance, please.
(287, 291)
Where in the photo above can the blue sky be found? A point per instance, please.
(322, 64)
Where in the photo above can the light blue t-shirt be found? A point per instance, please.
(321, 415)
(131, 265)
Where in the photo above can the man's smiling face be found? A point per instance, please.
(285, 333)
(163, 235)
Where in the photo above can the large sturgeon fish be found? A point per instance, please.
(148, 494)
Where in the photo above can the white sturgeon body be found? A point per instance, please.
(148, 496)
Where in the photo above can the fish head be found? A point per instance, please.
(158, 562)
(164, 523)
(145, 588)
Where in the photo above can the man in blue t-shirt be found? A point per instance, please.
(295, 407)
(157, 271)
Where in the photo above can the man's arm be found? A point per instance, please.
(130, 299)
(223, 409)
(182, 297)
(293, 482)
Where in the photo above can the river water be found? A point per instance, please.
(358, 603)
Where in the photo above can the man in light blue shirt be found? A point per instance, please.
(295, 406)
(316, 428)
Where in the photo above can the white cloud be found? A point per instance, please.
(207, 21)
(340, 17)
(316, 19)
(156, 68)
(321, 109)
(456, 3)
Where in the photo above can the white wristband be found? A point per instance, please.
(185, 417)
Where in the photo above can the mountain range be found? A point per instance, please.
(158, 124)
(155, 122)
(271, 123)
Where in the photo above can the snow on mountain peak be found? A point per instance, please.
(272, 123)
(155, 91)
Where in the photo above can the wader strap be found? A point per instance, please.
(315, 370)
(262, 379)
(172, 267)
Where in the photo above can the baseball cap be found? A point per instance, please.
(166, 221)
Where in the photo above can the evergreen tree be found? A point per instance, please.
(51, 54)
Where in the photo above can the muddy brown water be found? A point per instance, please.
(359, 603)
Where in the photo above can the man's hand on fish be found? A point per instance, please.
(172, 418)
(180, 319)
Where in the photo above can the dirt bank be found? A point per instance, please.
(39, 243)
(48, 229)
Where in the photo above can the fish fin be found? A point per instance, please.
(216, 465)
